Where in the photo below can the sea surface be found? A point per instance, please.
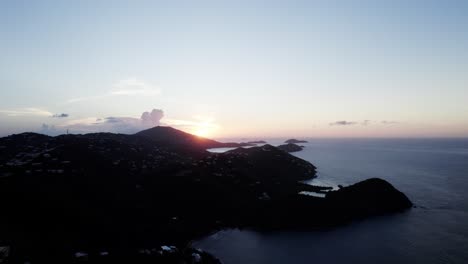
(433, 173)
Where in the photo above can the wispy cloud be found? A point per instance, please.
(126, 87)
(134, 87)
(86, 98)
(362, 123)
(385, 122)
(62, 115)
(343, 123)
(29, 111)
(49, 130)
(366, 122)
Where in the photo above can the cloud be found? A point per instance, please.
(362, 123)
(115, 124)
(153, 117)
(366, 122)
(30, 111)
(49, 130)
(200, 125)
(87, 98)
(62, 115)
(385, 122)
(134, 87)
(342, 123)
(126, 87)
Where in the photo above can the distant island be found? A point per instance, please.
(294, 141)
(256, 142)
(290, 147)
(143, 198)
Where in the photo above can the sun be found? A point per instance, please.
(201, 132)
(204, 129)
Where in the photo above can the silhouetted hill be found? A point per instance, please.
(172, 137)
(370, 197)
(290, 147)
(294, 141)
(256, 142)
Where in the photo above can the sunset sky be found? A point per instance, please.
(236, 68)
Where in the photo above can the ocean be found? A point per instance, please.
(433, 173)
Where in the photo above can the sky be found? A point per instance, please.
(236, 68)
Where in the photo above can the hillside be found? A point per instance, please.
(125, 194)
(176, 138)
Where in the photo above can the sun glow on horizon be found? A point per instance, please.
(204, 129)
(201, 132)
(201, 126)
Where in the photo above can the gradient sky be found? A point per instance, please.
(236, 68)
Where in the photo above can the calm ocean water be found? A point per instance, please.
(433, 173)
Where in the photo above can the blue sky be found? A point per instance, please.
(236, 68)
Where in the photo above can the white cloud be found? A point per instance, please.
(134, 87)
(30, 111)
(127, 125)
(81, 99)
(81, 121)
(126, 87)
(153, 117)
(366, 122)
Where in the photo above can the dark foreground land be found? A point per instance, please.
(109, 198)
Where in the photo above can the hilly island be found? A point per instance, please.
(142, 198)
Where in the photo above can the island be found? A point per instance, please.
(256, 142)
(290, 147)
(142, 198)
(294, 141)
